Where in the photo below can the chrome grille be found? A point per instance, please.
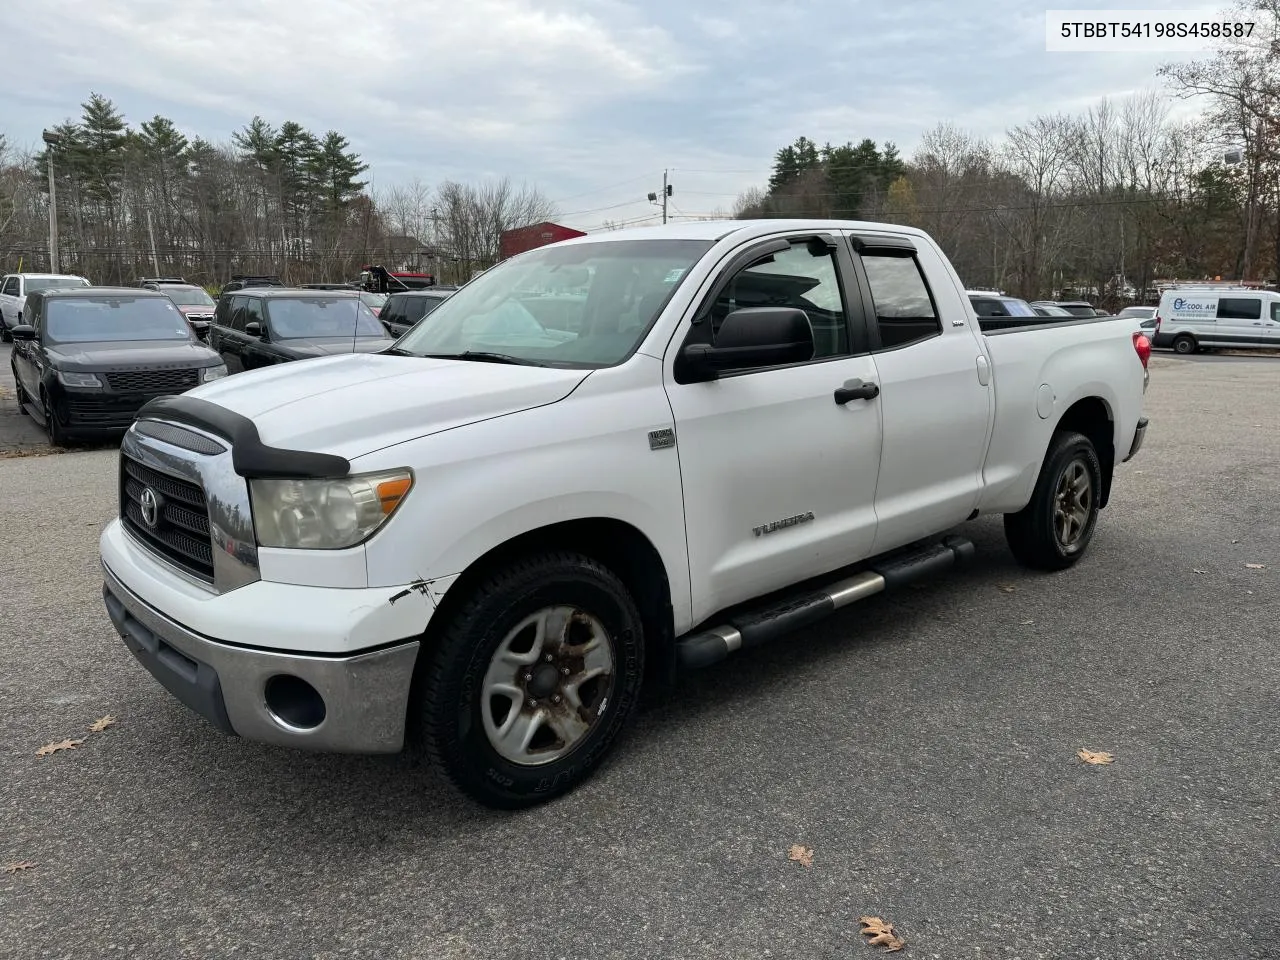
(153, 381)
(181, 530)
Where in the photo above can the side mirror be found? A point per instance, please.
(750, 337)
(253, 328)
(23, 331)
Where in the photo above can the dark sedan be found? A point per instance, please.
(403, 310)
(261, 327)
(88, 358)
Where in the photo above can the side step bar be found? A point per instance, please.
(756, 626)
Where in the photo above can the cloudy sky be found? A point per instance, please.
(587, 99)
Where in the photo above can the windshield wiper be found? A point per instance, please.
(398, 352)
(486, 357)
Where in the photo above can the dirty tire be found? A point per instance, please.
(447, 710)
(19, 395)
(1184, 344)
(5, 335)
(1033, 532)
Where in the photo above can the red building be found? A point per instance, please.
(511, 242)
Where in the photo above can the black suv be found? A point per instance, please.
(86, 360)
(260, 327)
(403, 310)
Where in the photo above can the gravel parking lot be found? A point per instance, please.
(923, 745)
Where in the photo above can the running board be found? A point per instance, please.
(753, 627)
(31, 411)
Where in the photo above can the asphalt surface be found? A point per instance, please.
(922, 744)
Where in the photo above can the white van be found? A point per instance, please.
(1191, 319)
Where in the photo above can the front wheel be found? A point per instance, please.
(532, 679)
(1054, 529)
(55, 431)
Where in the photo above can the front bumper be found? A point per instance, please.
(365, 696)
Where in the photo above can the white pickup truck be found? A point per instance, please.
(598, 462)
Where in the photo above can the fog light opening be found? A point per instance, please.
(294, 703)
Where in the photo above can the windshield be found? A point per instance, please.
(55, 283)
(85, 319)
(305, 317)
(1144, 312)
(578, 305)
(374, 300)
(188, 296)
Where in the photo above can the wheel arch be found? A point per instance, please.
(1092, 416)
(616, 544)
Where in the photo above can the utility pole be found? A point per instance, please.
(666, 192)
(52, 140)
(155, 263)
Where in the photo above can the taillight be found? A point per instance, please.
(1143, 346)
(1157, 323)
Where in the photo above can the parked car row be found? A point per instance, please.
(87, 358)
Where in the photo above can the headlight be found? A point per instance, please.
(325, 514)
(213, 373)
(72, 379)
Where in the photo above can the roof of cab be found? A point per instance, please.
(715, 230)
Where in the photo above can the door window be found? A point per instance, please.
(11, 287)
(253, 313)
(237, 312)
(803, 276)
(904, 306)
(1275, 312)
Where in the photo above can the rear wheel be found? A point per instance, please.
(532, 679)
(19, 395)
(1184, 344)
(1054, 529)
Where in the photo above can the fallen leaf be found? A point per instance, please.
(1256, 566)
(801, 855)
(1008, 587)
(49, 748)
(1095, 757)
(18, 865)
(1199, 571)
(102, 723)
(881, 934)
(1027, 623)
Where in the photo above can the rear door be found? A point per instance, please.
(935, 396)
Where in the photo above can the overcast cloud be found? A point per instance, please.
(587, 99)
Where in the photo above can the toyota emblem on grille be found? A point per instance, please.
(149, 504)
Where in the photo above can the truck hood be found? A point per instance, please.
(353, 404)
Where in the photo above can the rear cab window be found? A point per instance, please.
(904, 305)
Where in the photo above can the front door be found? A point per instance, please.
(779, 478)
(934, 406)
